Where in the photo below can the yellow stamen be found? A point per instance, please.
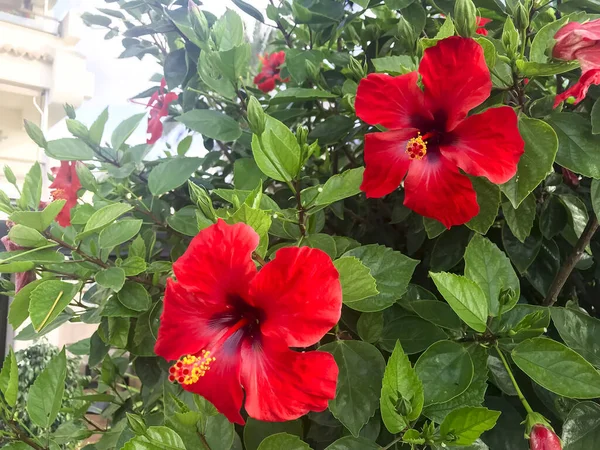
(416, 147)
(190, 368)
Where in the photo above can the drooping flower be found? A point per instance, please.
(542, 438)
(270, 72)
(581, 42)
(430, 136)
(64, 187)
(481, 23)
(230, 327)
(22, 279)
(159, 108)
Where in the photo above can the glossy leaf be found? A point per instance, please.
(46, 394)
(356, 280)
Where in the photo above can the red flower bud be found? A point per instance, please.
(542, 438)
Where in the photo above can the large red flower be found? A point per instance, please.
(231, 327)
(64, 187)
(270, 72)
(581, 42)
(481, 23)
(430, 136)
(159, 108)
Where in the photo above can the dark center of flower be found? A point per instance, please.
(240, 322)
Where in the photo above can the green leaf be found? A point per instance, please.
(463, 426)
(212, 124)
(370, 326)
(581, 430)
(392, 272)
(35, 133)
(9, 379)
(246, 174)
(45, 395)
(69, 149)
(232, 63)
(554, 215)
(134, 265)
(488, 198)
(332, 130)
(27, 237)
(283, 440)
(48, 300)
(415, 334)
(229, 31)
(259, 220)
(119, 232)
(578, 147)
(398, 4)
(596, 117)
(534, 69)
(295, 62)
(104, 217)
(156, 438)
(541, 145)
(171, 174)
(38, 220)
(402, 392)
(19, 307)
(341, 186)
(438, 313)
(97, 128)
(185, 221)
(544, 41)
(32, 188)
(361, 369)
(579, 331)
(296, 94)
(277, 152)
(125, 129)
(491, 270)
(578, 214)
(465, 297)
(557, 368)
(111, 278)
(521, 254)
(356, 280)
(256, 431)
(134, 296)
(81, 348)
(353, 443)
(446, 371)
(249, 9)
(394, 65)
(520, 220)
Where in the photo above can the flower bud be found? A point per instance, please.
(302, 135)
(465, 18)
(136, 423)
(357, 69)
(506, 297)
(9, 175)
(521, 17)
(542, 438)
(199, 22)
(510, 38)
(256, 116)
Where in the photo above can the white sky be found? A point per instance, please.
(117, 80)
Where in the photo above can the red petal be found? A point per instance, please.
(455, 77)
(155, 128)
(393, 102)
(267, 86)
(579, 90)
(283, 385)
(221, 385)
(300, 294)
(482, 31)
(386, 161)
(435, 188)
(218, 262)
(483, 21)
(487, 144)
(185, 325)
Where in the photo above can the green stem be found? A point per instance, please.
(514, 382)
(10, 258)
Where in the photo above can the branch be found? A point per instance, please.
(565, 271)
(281, 28)
(20, 434)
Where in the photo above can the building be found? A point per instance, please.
(40, 71)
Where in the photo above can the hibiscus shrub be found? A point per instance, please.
(390, 242)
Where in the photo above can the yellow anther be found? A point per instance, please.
(189, 369)
(416, 147)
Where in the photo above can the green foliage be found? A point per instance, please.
(447, 338)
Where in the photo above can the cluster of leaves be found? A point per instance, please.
(444, 333)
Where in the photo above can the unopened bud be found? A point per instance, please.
(199, 22)
(510, 38)
(69, 111)
(542, 438)
(136, 423)
(9, 175)
(465, 18)
(406, 32)
(256, 116)
(313, 71)
(302, 135)
(357, 69)
(521, 17)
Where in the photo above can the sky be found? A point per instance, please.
(117, 80)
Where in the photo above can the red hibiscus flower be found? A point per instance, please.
(231, 327)
(542, 438)
(430, 136)
(159, 108)
(269, 74)
(581, 42)
(64, 187)
(481, 23)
